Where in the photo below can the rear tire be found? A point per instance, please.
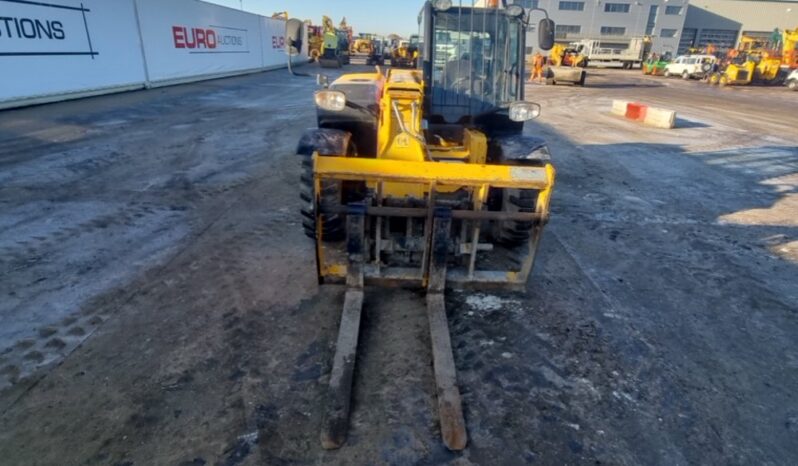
(793, 85)
(685, 75)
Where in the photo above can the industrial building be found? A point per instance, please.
(614, 21)
(722, 22)
(673, 25)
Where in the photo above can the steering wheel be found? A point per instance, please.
(461, 84)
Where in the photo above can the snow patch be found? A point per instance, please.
(490, 303)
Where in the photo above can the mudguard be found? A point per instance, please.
(325, 141)
(520, 149)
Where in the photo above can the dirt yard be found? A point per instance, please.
(159, 302)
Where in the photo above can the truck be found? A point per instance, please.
(629, 53)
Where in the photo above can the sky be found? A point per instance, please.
(375, 16)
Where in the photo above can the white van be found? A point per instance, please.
(691, 66)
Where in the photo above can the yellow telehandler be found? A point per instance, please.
(425, 178)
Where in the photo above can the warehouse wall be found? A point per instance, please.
(66, 49)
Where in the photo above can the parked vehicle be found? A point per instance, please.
(792, 80)
(691, 66)
(655, 65)
(376, 54)
(629, 53)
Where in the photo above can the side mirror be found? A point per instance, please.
(322, 80)
(546, 34)
(294, 34)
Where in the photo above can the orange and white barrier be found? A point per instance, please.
(651, 116)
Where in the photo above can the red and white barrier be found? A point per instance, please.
(651, 116)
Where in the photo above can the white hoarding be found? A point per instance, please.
(58, 49)
(66, 47)
(187, 39)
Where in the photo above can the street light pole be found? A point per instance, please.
(241, 2)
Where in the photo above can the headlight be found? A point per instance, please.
(442, 5)
(524, 111)
(514, 11)
(334, 101)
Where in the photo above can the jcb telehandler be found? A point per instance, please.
(425, 178)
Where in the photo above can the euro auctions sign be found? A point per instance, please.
(210, 39)
(29, 28)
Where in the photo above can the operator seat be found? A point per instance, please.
(457, 70)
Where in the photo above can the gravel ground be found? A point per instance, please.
(159, 302)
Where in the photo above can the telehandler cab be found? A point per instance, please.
(425, 178)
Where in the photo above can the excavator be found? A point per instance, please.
(334, 47)
(425, 178)
(566, 65)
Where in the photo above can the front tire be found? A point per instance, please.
(667, 74)
(685, 75)
(332, 225)
(793, 85)
(511, 232)
(333, 193)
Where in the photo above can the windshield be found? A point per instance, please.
(476, 62)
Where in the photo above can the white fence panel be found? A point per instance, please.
(59, 49)
(187, 40)
(67, 47)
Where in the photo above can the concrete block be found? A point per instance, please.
(619, 107)
(649, 116)
(660, 118)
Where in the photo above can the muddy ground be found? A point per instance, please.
(159, 302)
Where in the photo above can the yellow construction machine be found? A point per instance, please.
(405, 53)
(748, 68)
(315, 39)
(566, 65)
(363, 44)
(790, 48)
(425, 178)
(758, 61)
(335, 45)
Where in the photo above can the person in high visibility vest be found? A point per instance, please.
(537, 67)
